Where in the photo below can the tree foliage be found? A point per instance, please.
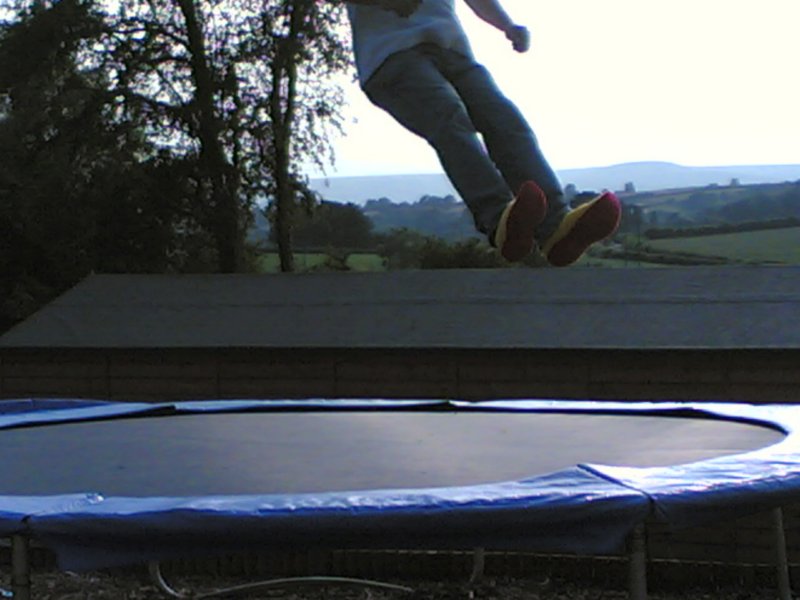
(79, 191)
(333, 225)
(466, 254)
(306, 47)
(242, 85)
(445, 217)
(137, 135)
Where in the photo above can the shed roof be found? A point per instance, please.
(576, 308)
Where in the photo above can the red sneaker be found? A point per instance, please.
(582, 227)
(518, 223)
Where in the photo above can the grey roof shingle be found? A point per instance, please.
(702, 308)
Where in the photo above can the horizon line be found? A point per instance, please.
(559, 169)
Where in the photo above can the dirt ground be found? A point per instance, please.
(102, 586)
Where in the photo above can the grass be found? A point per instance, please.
(779, 246)
(775, 246)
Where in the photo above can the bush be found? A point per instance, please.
(468, 254)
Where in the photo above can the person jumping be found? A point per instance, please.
(415, 62)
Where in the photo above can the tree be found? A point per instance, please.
(306, 48)
(335, 225)
(81, 187)
(136, 135)
(221, 174)
(244, 84)
(401, 247)
(167, 67)
(56, 152)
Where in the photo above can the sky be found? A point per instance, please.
(694, 82)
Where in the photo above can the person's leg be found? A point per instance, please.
(564, 235)
(509, 139)
(410, 87)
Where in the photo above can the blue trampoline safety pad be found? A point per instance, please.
(586, 508)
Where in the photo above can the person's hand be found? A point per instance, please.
(402, 8)
(519, 37)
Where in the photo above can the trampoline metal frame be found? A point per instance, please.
(637, 571)
(20, 568)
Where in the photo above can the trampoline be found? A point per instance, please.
(106, 484)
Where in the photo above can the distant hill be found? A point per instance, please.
(665, 196)
(713, 205)
(644, 176)
(444, 217)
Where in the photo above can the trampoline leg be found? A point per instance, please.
(781, 562)
(637, 574)
(20, 568)
(478, 565)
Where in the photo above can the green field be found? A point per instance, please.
(780, 246)
(315, 261)
(772, 246)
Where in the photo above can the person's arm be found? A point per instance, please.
(493, 13)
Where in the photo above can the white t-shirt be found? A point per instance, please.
(378, 33)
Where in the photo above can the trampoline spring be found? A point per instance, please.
(288, 582)
(154, 569)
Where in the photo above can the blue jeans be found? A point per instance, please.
(448, 99)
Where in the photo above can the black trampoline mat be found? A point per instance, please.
(296, 452)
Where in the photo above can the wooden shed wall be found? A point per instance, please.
(161, 374)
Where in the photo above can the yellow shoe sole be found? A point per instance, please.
(586, 225)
